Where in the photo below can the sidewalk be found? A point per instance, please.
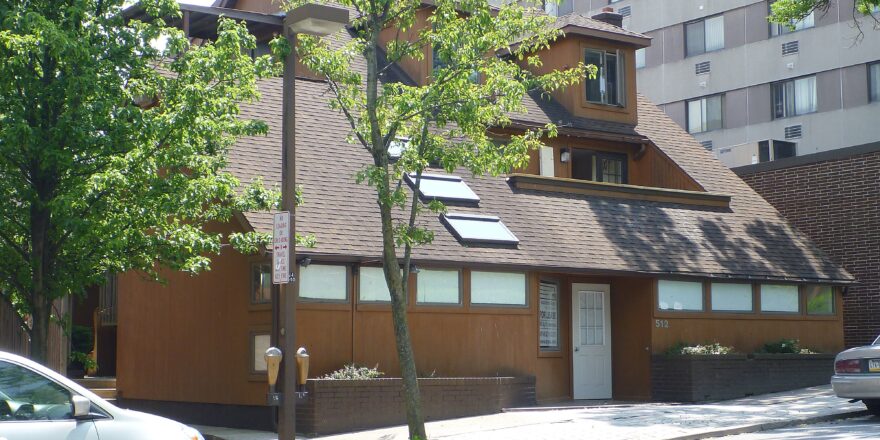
(639, 421)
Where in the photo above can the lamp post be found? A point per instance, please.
(312, 19)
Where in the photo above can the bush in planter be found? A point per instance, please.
(354, 372)
(683, 348)
(785, 346)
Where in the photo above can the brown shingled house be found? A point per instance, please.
(621, 238)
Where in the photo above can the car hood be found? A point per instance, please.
(868, 351)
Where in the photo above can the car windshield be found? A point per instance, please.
(877, 341)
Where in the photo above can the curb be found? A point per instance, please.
(769, 426)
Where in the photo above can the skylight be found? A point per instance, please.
(396, 147)
(443, 188)
(478, 229)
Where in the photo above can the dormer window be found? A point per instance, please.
(598, 166)
(607, 88)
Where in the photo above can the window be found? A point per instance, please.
(438, 286)
(779, 150)
(779, 298)
(705, 114)
(372, 286)
(598, 166)
(478, 229)
(261, 283)
(607, 87)
(874, 82)
(730, 297)
(260, 342)
(820, 300)
(442, 187)
(323, 282)
(680, 295)
(807, 22)
(704, 35)
(498, 288)
(548, 315)
(794, 97)
(640, 58)
(546, 161)
(33, 396)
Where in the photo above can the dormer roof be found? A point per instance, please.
(577, 24)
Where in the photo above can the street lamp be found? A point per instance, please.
(320, 20)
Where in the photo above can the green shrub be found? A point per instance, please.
(785, 346)
(354, 372)
(682, 348)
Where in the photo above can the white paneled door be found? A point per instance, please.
(591, 341)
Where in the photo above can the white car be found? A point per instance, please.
(857, 375)
(38, 403)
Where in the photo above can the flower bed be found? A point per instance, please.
(694, 378)
(333, 406)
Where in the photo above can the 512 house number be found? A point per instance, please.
(661, 323)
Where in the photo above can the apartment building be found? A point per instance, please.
(751, 91)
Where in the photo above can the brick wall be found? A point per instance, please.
(836, 202)
(702, 378)
(334, 406)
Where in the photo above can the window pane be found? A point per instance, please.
(581, 164)
(732, 297)
(695, 116)
(549, 315)
(789, 98)
(372, 285)
(680, 295)
(764, 151)
(322, 281)
(21, 387)
(783, 149)
(437, 286)
(594, 93)
(261, 287)
(874, 80)
(611, 169)
(778, 100)
(498, 288)
(805, 95)
(779, 298)
(484, 229)
(820, 300)
(715, 33)
(443, 187)
(612, 94)
(640, 58)
(260, 344)
(806, 23)
(714, 119)
(696, 38)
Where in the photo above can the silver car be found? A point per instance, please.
(857, 375)
(38, 403)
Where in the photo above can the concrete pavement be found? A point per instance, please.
(860, 428)
(639, 421)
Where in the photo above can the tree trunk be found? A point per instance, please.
(405, 357)
(39, 347)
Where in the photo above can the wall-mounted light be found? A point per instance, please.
(565, 155)
(305, 262)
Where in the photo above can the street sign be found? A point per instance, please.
(281, 248)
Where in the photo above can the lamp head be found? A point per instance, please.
(316, 19)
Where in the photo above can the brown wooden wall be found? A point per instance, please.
(14, 339)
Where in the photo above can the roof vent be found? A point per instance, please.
(609, 16)
(703, 68)
(707, 145)
(625, 11)
(793, 132)
(790, 48)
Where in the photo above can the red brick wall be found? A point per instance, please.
(836, 202)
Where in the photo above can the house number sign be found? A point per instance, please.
(661, 323)
(281, 248)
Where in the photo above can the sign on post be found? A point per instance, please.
(281, 248)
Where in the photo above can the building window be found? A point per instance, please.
(820, 300)
(705, 114)
(261, 283)
(438, 286)
(794, 97)
(807, 22)
(598, 166)
(607, 88)
(680, 295)
(260, 342)
(372, 286)
(640, 58)
(498, 288)
(779, 298)
(731, 297)
(874, 82)
(704, 35)
(774, 150)
(323, 282)
(548, 315)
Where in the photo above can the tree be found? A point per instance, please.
(481, 78)
(112, 148)
(789, 12)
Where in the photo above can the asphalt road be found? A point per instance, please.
(861, 428)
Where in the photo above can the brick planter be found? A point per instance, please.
(694, 378)
(334, 406)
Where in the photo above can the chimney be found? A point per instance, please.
(609, 16)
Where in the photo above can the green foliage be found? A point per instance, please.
(684, 348)
(789, 12)
(792, 346)
(83, 359)
(113, 147)
(354, 372)
(81, 338)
